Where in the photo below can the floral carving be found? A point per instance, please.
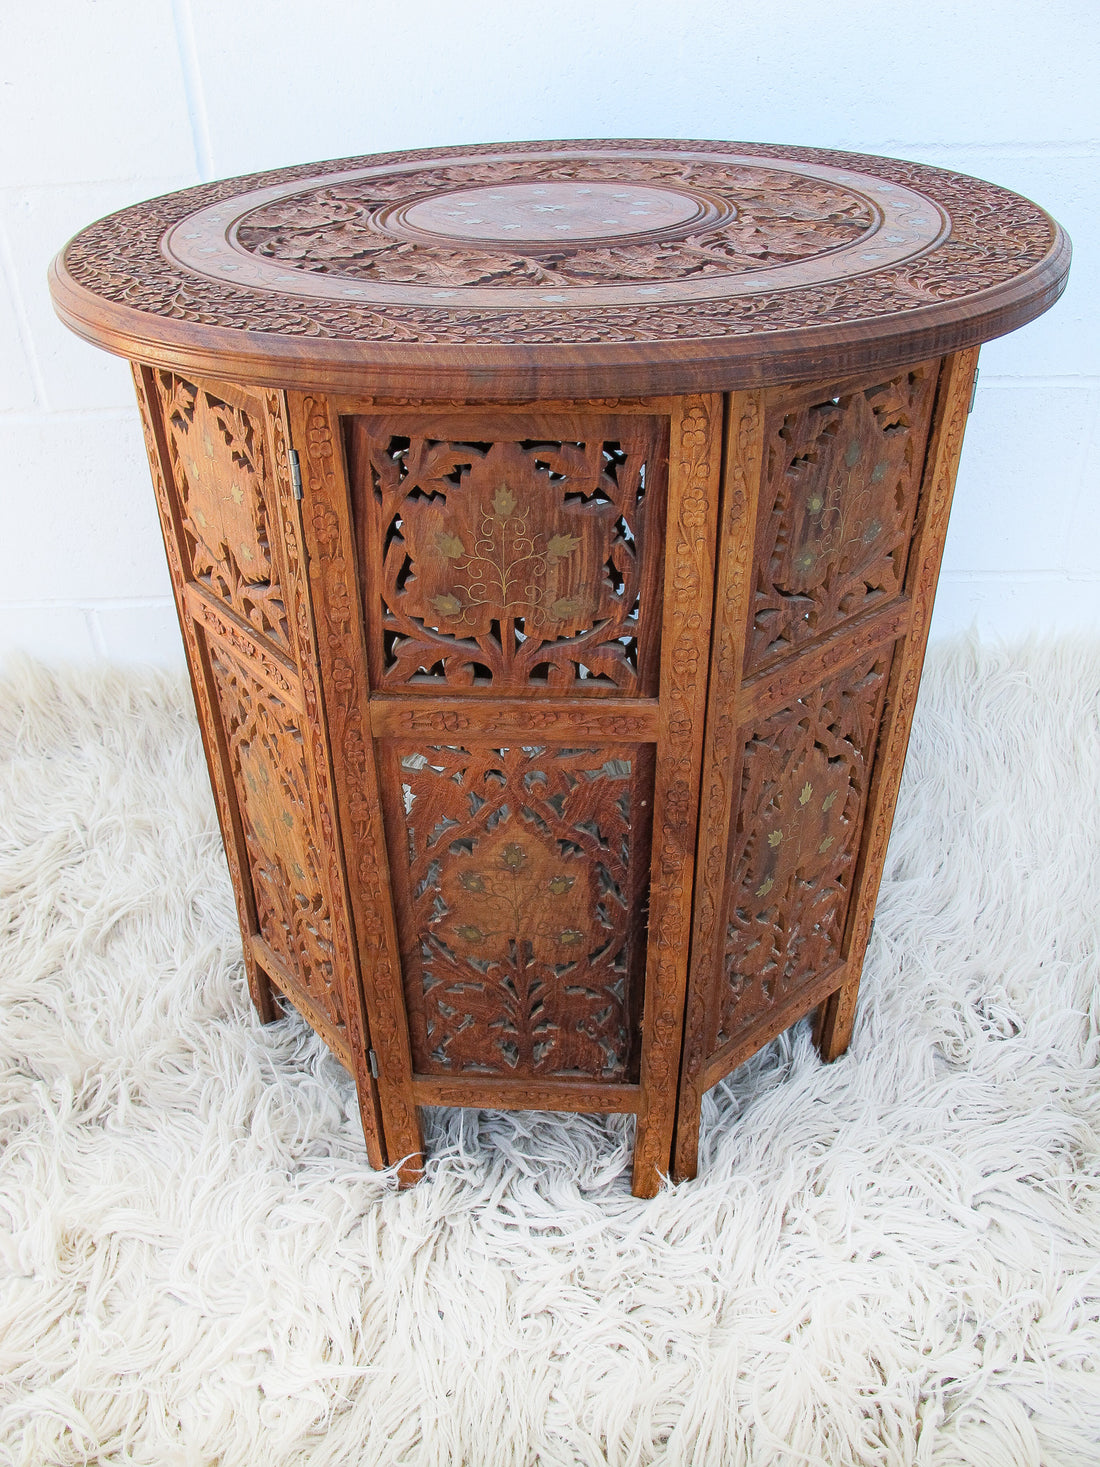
(763, 217)
(804, 780)
(280, 829)
(995, 237)
(840, 488)
(509, 564)
(217, 455)
(519, 876)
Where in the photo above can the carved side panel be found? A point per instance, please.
(505, 563)
(156, 446)
(329, 553)
(519, 877)
(267, 761)
(219, 469)
(744, 452)
(835, 1018)
(803, 785)
(841, 479)
(694, 476)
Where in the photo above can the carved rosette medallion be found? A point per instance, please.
(502, 224)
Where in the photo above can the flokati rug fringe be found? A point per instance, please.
(892, 1260)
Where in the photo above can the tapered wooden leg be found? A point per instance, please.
(260, 991)
(834, 1020)
(685, 1146)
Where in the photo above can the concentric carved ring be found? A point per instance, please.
(555, 268)
(604, 235)
(553, 214)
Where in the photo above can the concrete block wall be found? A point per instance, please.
(108, 101)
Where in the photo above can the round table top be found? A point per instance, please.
(518, 270)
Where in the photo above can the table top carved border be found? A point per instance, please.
(1002, 262)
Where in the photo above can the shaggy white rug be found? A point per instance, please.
(892, 1260)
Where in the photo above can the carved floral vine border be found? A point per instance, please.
(995, 236)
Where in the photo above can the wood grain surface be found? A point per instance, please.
(541, 270)
(554, 531)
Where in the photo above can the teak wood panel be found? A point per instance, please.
(834, 1020)
(841, 474)
(502, 553)
(802, 766)
(520, 874)
(232, 538)
(510, 553)
(506, 862)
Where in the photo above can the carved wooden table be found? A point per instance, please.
(554, 530)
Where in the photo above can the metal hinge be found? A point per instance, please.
(372, 1060)
(295, 473)
(973, 393)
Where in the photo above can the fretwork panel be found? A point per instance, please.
(266, 755)
(519, 879)
(794, 841)
(840, 482)
(525, 556)
(226, 500)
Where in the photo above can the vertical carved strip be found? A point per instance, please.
(835, 1017)
(694, 476)
(216, 754)
(318, 764)
(341, 648)
(744, 454)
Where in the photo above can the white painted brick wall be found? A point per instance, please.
(108, 101)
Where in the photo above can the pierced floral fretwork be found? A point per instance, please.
(504, 565)
(269, 775)
(837, 505)
(519, 881)
(217, 452)
(793, 848)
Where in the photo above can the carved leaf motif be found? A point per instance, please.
(280, 828)
(519, 878)
(506, 564)
(841, 479)
(763, 216)
(221, 477)
(804, 778)
(995, 236)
